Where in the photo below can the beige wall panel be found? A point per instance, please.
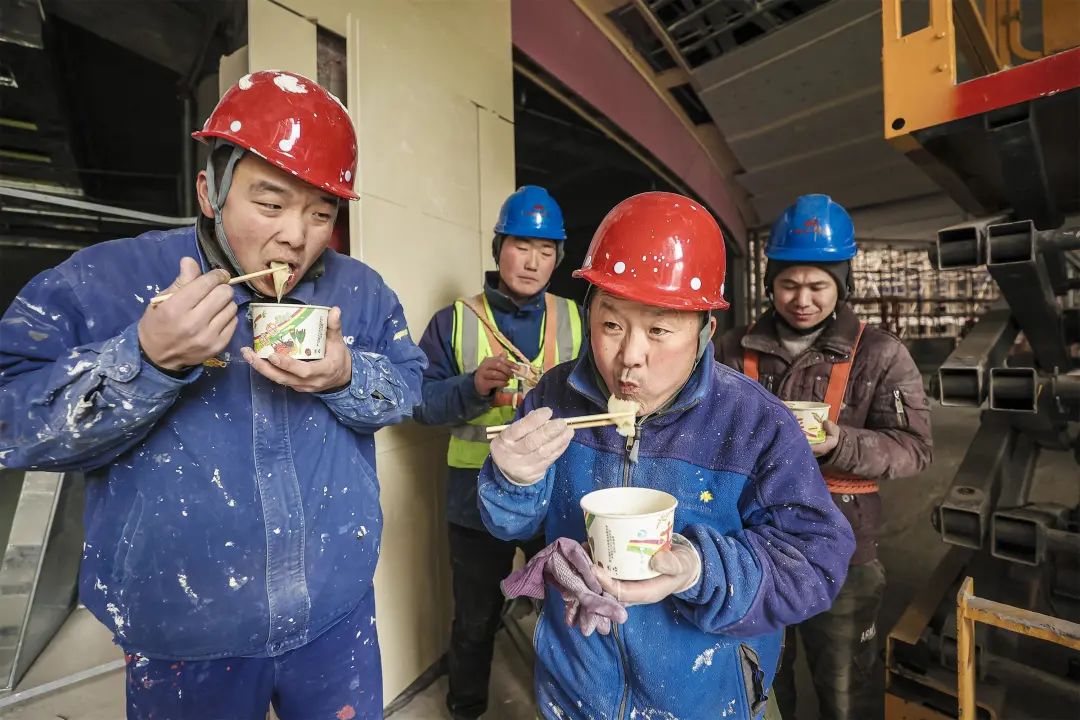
(280, 40)
(412, 583)
(428, 262)
(496, 140)
(475, 44)
(469, 40)
(230, 69)
(419, 147)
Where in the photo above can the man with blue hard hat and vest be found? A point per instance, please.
(485, 353)
(811, 346)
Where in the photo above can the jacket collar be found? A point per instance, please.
(838, 338)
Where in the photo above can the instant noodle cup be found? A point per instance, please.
(298, 331)
(626, 527)
(811, 417)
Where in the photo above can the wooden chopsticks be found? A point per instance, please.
(235, 281)
(576, 423)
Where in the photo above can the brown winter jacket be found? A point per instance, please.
(885, 420)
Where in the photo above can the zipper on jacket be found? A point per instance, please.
(901, 415)
(628, 463)
(631, 455)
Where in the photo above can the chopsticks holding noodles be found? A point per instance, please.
(621, 413)
(234, 281)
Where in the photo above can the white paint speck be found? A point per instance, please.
(705, 659)
(117, 618)
(235, 584)
(182, 579)
(348, 175)
(245, 82)
(80, 366)
(620, 267)
(695, 283)
(290, 83)
(235, 125)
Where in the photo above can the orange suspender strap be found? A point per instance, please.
(750, 365)
(838, 379)
(750, 360)
(841, 483)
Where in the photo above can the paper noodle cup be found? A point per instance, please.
(298, 331)
(626, 527)
(811, 417)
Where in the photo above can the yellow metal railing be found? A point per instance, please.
(971, 609)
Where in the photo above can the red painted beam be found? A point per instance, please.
(560, 38)
(1039, 78)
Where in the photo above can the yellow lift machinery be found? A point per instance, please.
(996, 123)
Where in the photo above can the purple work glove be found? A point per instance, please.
(567, 567)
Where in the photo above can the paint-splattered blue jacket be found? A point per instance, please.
(774, 548)
(226, 515)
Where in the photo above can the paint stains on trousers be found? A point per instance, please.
(336, 676)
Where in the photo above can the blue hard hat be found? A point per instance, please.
(530, 212)
(814, 229)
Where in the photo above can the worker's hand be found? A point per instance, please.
(493, 373)
(332, 372)
(679, 568)
(832, 437)
(525, 450)
(193, 325)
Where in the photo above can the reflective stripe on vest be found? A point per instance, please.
(839, 374)
(473, 342)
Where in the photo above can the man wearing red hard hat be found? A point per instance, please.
(232, 522)
(757, 544)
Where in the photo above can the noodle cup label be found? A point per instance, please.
(298, 331)
(626, 527)
(811, 417)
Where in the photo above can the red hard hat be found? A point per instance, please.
(292, 123)
(660, 249)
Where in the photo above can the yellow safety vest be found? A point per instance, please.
(560, 341)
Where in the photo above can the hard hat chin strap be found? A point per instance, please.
(218, 191)
(704, 335)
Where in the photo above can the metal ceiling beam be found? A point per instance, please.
(662, 35)
(713, 143)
